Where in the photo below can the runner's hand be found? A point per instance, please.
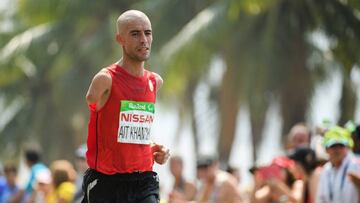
(161, 154)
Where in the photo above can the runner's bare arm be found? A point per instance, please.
(100, 85)
(159, 81)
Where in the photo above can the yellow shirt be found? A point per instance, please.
(65, 191)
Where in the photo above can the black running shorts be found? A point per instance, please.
(139, 187)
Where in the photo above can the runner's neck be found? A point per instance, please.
(135, 69)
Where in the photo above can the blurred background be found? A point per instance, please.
(238, 73)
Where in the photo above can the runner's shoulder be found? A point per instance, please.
(103, 76)
(105, 72)
(159, 80)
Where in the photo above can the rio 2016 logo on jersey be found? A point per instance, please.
(135, 121)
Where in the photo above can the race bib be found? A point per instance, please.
(135, 122)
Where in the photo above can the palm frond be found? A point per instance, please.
(22, 41)
(191, 31)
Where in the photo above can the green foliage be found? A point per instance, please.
(55, 47)
(268, 41)
(35, 12)
(49, 62)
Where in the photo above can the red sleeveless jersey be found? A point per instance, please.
(118, 134)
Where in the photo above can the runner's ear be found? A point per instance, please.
(119, 39)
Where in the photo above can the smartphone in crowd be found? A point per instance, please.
(269, 172)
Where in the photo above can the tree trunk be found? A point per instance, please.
(228, 111)
(187, 106)
(257, 106)
(191, 104)
(297, 87)
(347, 101)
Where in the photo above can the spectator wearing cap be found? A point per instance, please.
(307, 168)
(218, 186)
(81, 166)
(43, 187)
(275, 182)
(335, 184)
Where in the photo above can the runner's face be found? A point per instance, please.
(137, 39)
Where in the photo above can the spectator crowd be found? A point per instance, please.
(319, 168)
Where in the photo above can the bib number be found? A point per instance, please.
(135, 122)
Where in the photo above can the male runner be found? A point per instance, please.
(121, 99)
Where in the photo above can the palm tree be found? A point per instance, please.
(260, 40)
(48, 62)
(342, 24)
